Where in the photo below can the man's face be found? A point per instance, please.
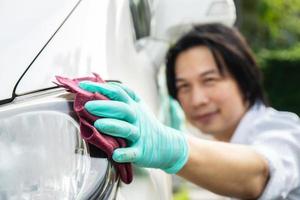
(212, 102)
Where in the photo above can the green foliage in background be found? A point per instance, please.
(181, 194)
(271, 24)
(272, 28)
(281, 70)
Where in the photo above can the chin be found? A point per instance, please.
(212, 131)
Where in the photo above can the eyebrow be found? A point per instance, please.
(203, 74)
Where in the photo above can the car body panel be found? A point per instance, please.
(74, 38)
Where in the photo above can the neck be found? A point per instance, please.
(224, 137)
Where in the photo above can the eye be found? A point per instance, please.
(182, 87)
(210, 80)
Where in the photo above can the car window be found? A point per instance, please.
(141, 17)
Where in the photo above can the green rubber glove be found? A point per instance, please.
(151, 144)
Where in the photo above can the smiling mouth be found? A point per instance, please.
(205, 118)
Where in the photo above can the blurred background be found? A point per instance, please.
(272, 28)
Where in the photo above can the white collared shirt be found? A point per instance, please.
(276, 136)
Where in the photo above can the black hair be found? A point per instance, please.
(231, 53)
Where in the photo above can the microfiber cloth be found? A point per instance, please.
(88, 132)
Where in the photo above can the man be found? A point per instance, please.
(213, 75)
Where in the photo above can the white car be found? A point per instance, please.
(42, 155)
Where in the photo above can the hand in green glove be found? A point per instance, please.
(151, 144)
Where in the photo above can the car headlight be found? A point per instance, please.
(43, 157)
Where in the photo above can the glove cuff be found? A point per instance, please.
(184, 155)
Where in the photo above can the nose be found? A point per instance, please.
(199, 97)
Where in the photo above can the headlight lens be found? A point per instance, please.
(42, 157)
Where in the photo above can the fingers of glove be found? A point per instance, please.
(132, 94)
(111, 109)
(109, 90)
(117, 128)
(123, 155)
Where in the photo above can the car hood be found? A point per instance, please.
(49, 38)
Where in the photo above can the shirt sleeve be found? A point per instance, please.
(279, 145)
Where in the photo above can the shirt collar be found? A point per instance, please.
(244, 127)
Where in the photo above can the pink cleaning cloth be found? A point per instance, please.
(88, 132)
